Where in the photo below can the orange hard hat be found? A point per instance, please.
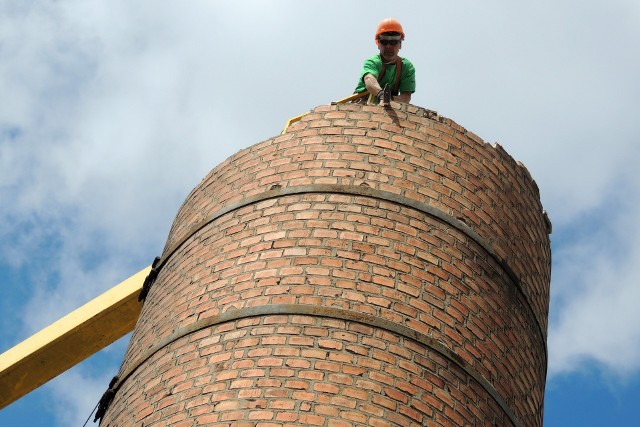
(389, 25)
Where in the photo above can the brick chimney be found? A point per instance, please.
(369, 267)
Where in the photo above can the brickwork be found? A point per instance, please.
(300, 370)
(431, 245)
(430, 160)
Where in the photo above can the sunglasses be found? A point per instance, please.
(391, 42)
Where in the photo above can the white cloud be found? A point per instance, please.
(595, 291)
(76, 393)
(549, 83)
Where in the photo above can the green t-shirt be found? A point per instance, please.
(373, 65)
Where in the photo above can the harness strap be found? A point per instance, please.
(398, 75)
(396, 85)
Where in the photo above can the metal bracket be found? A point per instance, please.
(106, 399)
(150, 279)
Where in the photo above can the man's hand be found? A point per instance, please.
(384, 96)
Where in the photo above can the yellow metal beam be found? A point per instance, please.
(351, 97)
(70, 340)
(292, 120)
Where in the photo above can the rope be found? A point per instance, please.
(89, 417)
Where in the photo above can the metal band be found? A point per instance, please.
(375, 194)
(330, 312)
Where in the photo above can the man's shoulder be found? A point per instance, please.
(372, 65)
(406, 62)
(375, 59)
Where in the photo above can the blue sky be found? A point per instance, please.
(111, 111)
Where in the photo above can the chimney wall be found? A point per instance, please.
(370, 266)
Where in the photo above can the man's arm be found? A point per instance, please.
(372, 85)
(374, 88)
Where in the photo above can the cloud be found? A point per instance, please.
(595, 291)
(112, 123)
(77, 392)
(75, 395)
(539, 80)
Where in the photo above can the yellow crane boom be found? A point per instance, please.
(70, 340)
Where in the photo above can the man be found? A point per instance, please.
(387, 69)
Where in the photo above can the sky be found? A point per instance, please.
(111, 111)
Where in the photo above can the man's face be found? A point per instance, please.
(389, 46)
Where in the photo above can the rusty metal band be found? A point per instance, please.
(328, 312)
(375, 194)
